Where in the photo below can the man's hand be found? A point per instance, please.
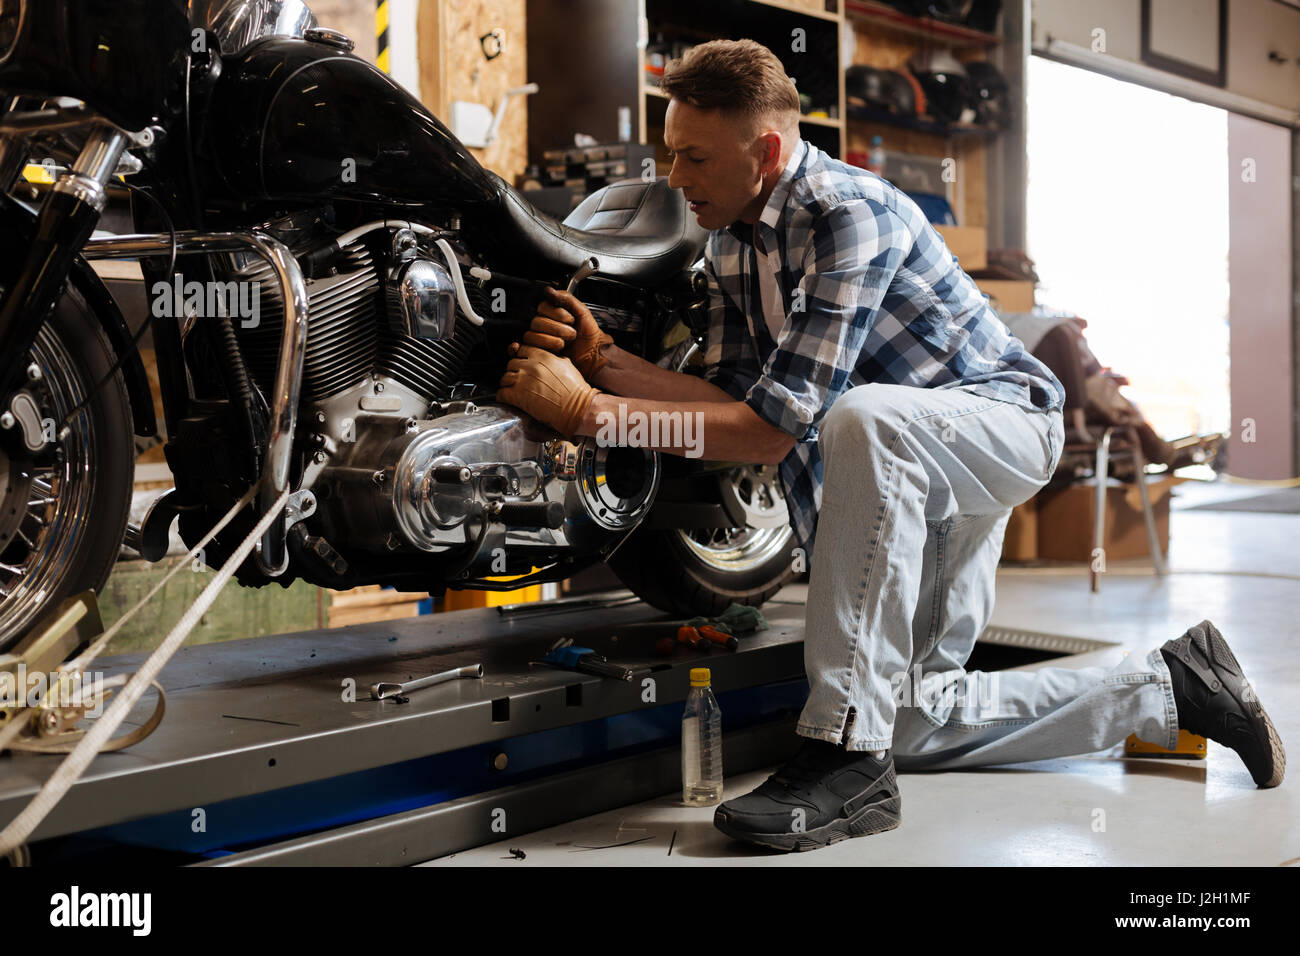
(547, 387)
(564, 326)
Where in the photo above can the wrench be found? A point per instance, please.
(588, 268)
(384, 689)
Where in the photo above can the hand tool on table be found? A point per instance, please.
(384, 689)
(718, 636)
(701, 632)
(564, 653)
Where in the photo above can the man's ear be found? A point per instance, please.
(770, 155)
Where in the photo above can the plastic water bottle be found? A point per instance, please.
(876, 157)
(701, 743)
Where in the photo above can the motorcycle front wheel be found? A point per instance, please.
(61, 524)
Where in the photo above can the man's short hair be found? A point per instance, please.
(738, 77)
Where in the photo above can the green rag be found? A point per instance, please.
(736, 619)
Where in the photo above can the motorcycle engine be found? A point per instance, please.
(408, 451)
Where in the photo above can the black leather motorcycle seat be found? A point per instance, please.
(641, 232)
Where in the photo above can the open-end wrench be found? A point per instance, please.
(384, 689)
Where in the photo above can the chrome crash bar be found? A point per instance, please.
(271, 555)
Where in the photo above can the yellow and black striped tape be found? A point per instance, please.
(381, 34)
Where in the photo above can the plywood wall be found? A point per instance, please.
(356, 18)
(453, 67)
(452, 64)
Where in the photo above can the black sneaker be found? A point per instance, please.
(1215, 700)
(823, 795)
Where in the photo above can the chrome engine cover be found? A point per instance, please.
(382, 493)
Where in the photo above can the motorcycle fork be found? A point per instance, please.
(66, 221)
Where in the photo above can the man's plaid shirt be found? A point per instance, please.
(870, 293)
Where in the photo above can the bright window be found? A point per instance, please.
(1128, 228)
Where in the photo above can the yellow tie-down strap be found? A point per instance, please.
(1189, 745)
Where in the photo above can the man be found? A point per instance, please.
(845, 343)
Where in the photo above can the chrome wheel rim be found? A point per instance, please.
(735, 550)
(756, 491)
(55, 499)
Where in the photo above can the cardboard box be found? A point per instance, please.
(970, 244)
(1020, 543)
(1013, 295)
(1065, 520)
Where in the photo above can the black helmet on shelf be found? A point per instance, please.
(989, 92)
(865, 86)
(946, 86)
(888, 90)
(902, 92)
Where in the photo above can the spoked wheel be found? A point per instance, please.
(62, 519)
(702, 571)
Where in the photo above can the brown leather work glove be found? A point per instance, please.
(566, 327)
(547, 387)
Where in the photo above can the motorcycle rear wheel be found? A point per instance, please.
(61, 526)
(703, 571)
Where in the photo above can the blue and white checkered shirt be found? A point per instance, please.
(869, 293)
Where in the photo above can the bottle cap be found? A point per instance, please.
(699, 677)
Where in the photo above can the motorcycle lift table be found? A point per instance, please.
(263, 758)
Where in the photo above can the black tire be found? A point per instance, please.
(703, 572)
(662, 569)
(74, 354)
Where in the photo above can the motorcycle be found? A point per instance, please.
(334, 280)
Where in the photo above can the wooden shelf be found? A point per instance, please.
(607, 68)
(958, 37)
(798, 8)
(885, 118)
(821, 121)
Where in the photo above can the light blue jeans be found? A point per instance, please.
(918, 486)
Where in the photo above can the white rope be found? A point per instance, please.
(79, 664)
(23, 825)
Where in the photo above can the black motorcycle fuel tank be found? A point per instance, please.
(294, 119)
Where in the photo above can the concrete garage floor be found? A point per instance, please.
(1156, 812)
